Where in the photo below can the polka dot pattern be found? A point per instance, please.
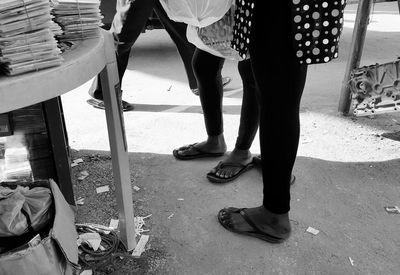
(241, 30)
(316, 29)
(317, 26)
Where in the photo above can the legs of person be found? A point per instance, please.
(241, 159)
(279, 77)
(128, 23)
(177, 32)
(207, 69)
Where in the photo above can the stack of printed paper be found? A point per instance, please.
(26, 41)
(79, 19)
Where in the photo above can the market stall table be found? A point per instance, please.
(81, 63)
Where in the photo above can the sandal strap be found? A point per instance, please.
(253, 225)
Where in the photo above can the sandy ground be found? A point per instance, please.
(347, 170)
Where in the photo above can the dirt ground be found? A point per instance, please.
(347, 170)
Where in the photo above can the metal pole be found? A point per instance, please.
(357, 43)
(398, 3)
(116, 134)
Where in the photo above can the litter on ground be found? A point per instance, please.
(102, 189)
(92, 239)
(80, 201)
(392, 209)
(114, 224)
(351, 261)
(83, 175)
(140, 247)
(312, 230)
(136, 188)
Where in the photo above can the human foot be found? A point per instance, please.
(235, 164)
(256, 222)
(213, 147)
(99, 104)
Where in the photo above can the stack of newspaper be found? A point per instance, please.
(79, 19)
(26, 41)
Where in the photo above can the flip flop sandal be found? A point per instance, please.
(225, 81)
(255, 232)
(197, 153)
(99, 104)
(212, 176)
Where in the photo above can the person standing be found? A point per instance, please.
(128, 23)
(207, 69)
(279, 69)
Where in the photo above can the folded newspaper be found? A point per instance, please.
(79, 19)
(27, 40)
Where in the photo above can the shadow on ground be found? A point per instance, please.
(344, 201)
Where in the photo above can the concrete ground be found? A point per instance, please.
(347, 172)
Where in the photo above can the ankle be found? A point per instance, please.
(97, 94)
(245, 154)
(279, 219)
(218, 141)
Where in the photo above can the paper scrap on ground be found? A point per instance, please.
(351, 261)
(87, 272)
(102, 189)
(80, 201)
(93, 239)
(83, 175)
(139, 223)
(307, 140)
(75, 162)
(140, 247)
(312, 230)
(114, 224)
(392, 209)
(170, 216)
(136, 188)
(181, 199)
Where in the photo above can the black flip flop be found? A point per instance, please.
(255, 232)
(197, 153)
(216, 179)
(99, 104)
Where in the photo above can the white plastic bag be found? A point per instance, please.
(217, 37)
(35, 202)
(199, 13)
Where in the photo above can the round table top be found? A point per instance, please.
(81, 63)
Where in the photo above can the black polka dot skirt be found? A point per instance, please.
(242, 27)
(316, 28)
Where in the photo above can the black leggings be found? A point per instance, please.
(129, 22)
(280, 80)
(207, 69)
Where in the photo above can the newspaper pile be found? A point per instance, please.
(14, 159)
(26, 40)
(79, 19)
